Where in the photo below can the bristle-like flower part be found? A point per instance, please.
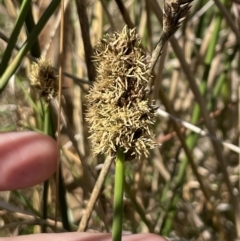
(119, 113)
(175, 11)
(44, 78)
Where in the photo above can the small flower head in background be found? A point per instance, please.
(175, 11)
(44, 78)
(119, 113)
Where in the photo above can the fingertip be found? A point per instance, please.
(143, 237)
(26, 159)
(77, 236)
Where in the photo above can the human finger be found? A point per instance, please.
(76, 236)
(26, 159)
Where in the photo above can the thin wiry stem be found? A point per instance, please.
(95, 194)
(53, 31)
(125, 14)
(157, 52)
(104, 6)
(83, 19)
(229, 19)
(61, 55)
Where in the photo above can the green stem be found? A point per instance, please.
(118, 197)
(26, 5)
(30, 25)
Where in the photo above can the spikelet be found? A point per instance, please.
(44, 78)
(175, 11)
(119, 114)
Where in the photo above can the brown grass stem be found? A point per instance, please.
(95, 194)
(84, 24)
(61, 57)
(125, 14)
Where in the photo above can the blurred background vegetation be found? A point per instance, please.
(189, 187)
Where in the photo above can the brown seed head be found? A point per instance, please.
(119, 114)
(44, 78)
(175, 12)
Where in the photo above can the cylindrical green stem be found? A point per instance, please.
(25, 6)
(118, 197)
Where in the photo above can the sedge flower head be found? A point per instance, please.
(119, 112)
(44, 78)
